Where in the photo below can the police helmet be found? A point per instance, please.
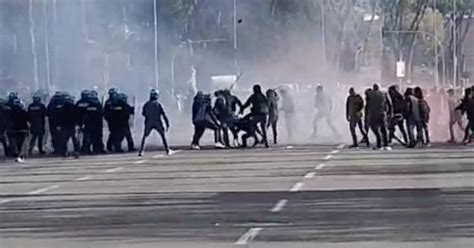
(113, 91)
(12, 96)
(85, 94)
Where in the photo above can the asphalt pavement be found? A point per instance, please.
(285, 196)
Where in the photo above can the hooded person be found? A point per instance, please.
(37, 121)
(258, 113)
(204, 118)
(397, 120)
(467, 107)
(424, 115)
(354, 108)
(155, 115)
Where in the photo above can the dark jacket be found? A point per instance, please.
(354, 106)
(18, 118)
(259, 104)
(37, 117)
(377, 104)
(154, 113)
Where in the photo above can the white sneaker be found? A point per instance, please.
(20, 160)
(195, 147)
(169, 152)
(219, 145)
(387, 148)
(140, 154)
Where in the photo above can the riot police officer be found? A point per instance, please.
(154, 114)
(17, 128)
(114, 112)
(126, 118)
(66, 125)
(53, 113)
(81, 105)
(37, 120)
(93, 125)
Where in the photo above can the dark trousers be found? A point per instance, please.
(114, 142)
(200, 128)
(412, 126)
(256, 121)
(161, 132)
(16, 140)
(128, 136)
(92, 140)
(36, 137)
(378, 126)
(3, 141)
(54, 138)
(355, 122)
(65, 134)
(394, 123)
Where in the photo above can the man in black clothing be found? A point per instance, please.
(258, 114)
(53, 113)
(81, 105)
(203, 117)
(37, 120)
(114, 112)
(93, 125)
(354, 107)
(154, 114)
(397, 120)
(67, 122)
(17, 128)
(125, 122)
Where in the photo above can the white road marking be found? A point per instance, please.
(334, 151)
(5, 201)
(114, 170)
(140, 162)
(319, 166)
(297, 187)
(39, 191)
(310, 175)
(85, 178)
(289, 147)
(279, 206)
(158, 156)
(249, 236)
(328, 157)
(341, 146)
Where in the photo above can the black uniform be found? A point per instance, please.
(223, 113)
(37, 120)
(125, 123)
(115, 112)
(81, 107)
(154, 114)
(93, 127)
(258, 114)
(53, 113)
(17, 128)
(67, 122)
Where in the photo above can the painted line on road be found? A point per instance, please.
(114, 170)
(334, 151)
(319, 166)
(328, 157)
(158, 156)
(279, 206)
(5, 201)
(140, 162)
(249, 236)
(43, 190)
(84, 178)
(297, 187)
(310, 175)
(341, 146)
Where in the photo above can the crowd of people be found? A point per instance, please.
(61, 120)
(385, 112)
